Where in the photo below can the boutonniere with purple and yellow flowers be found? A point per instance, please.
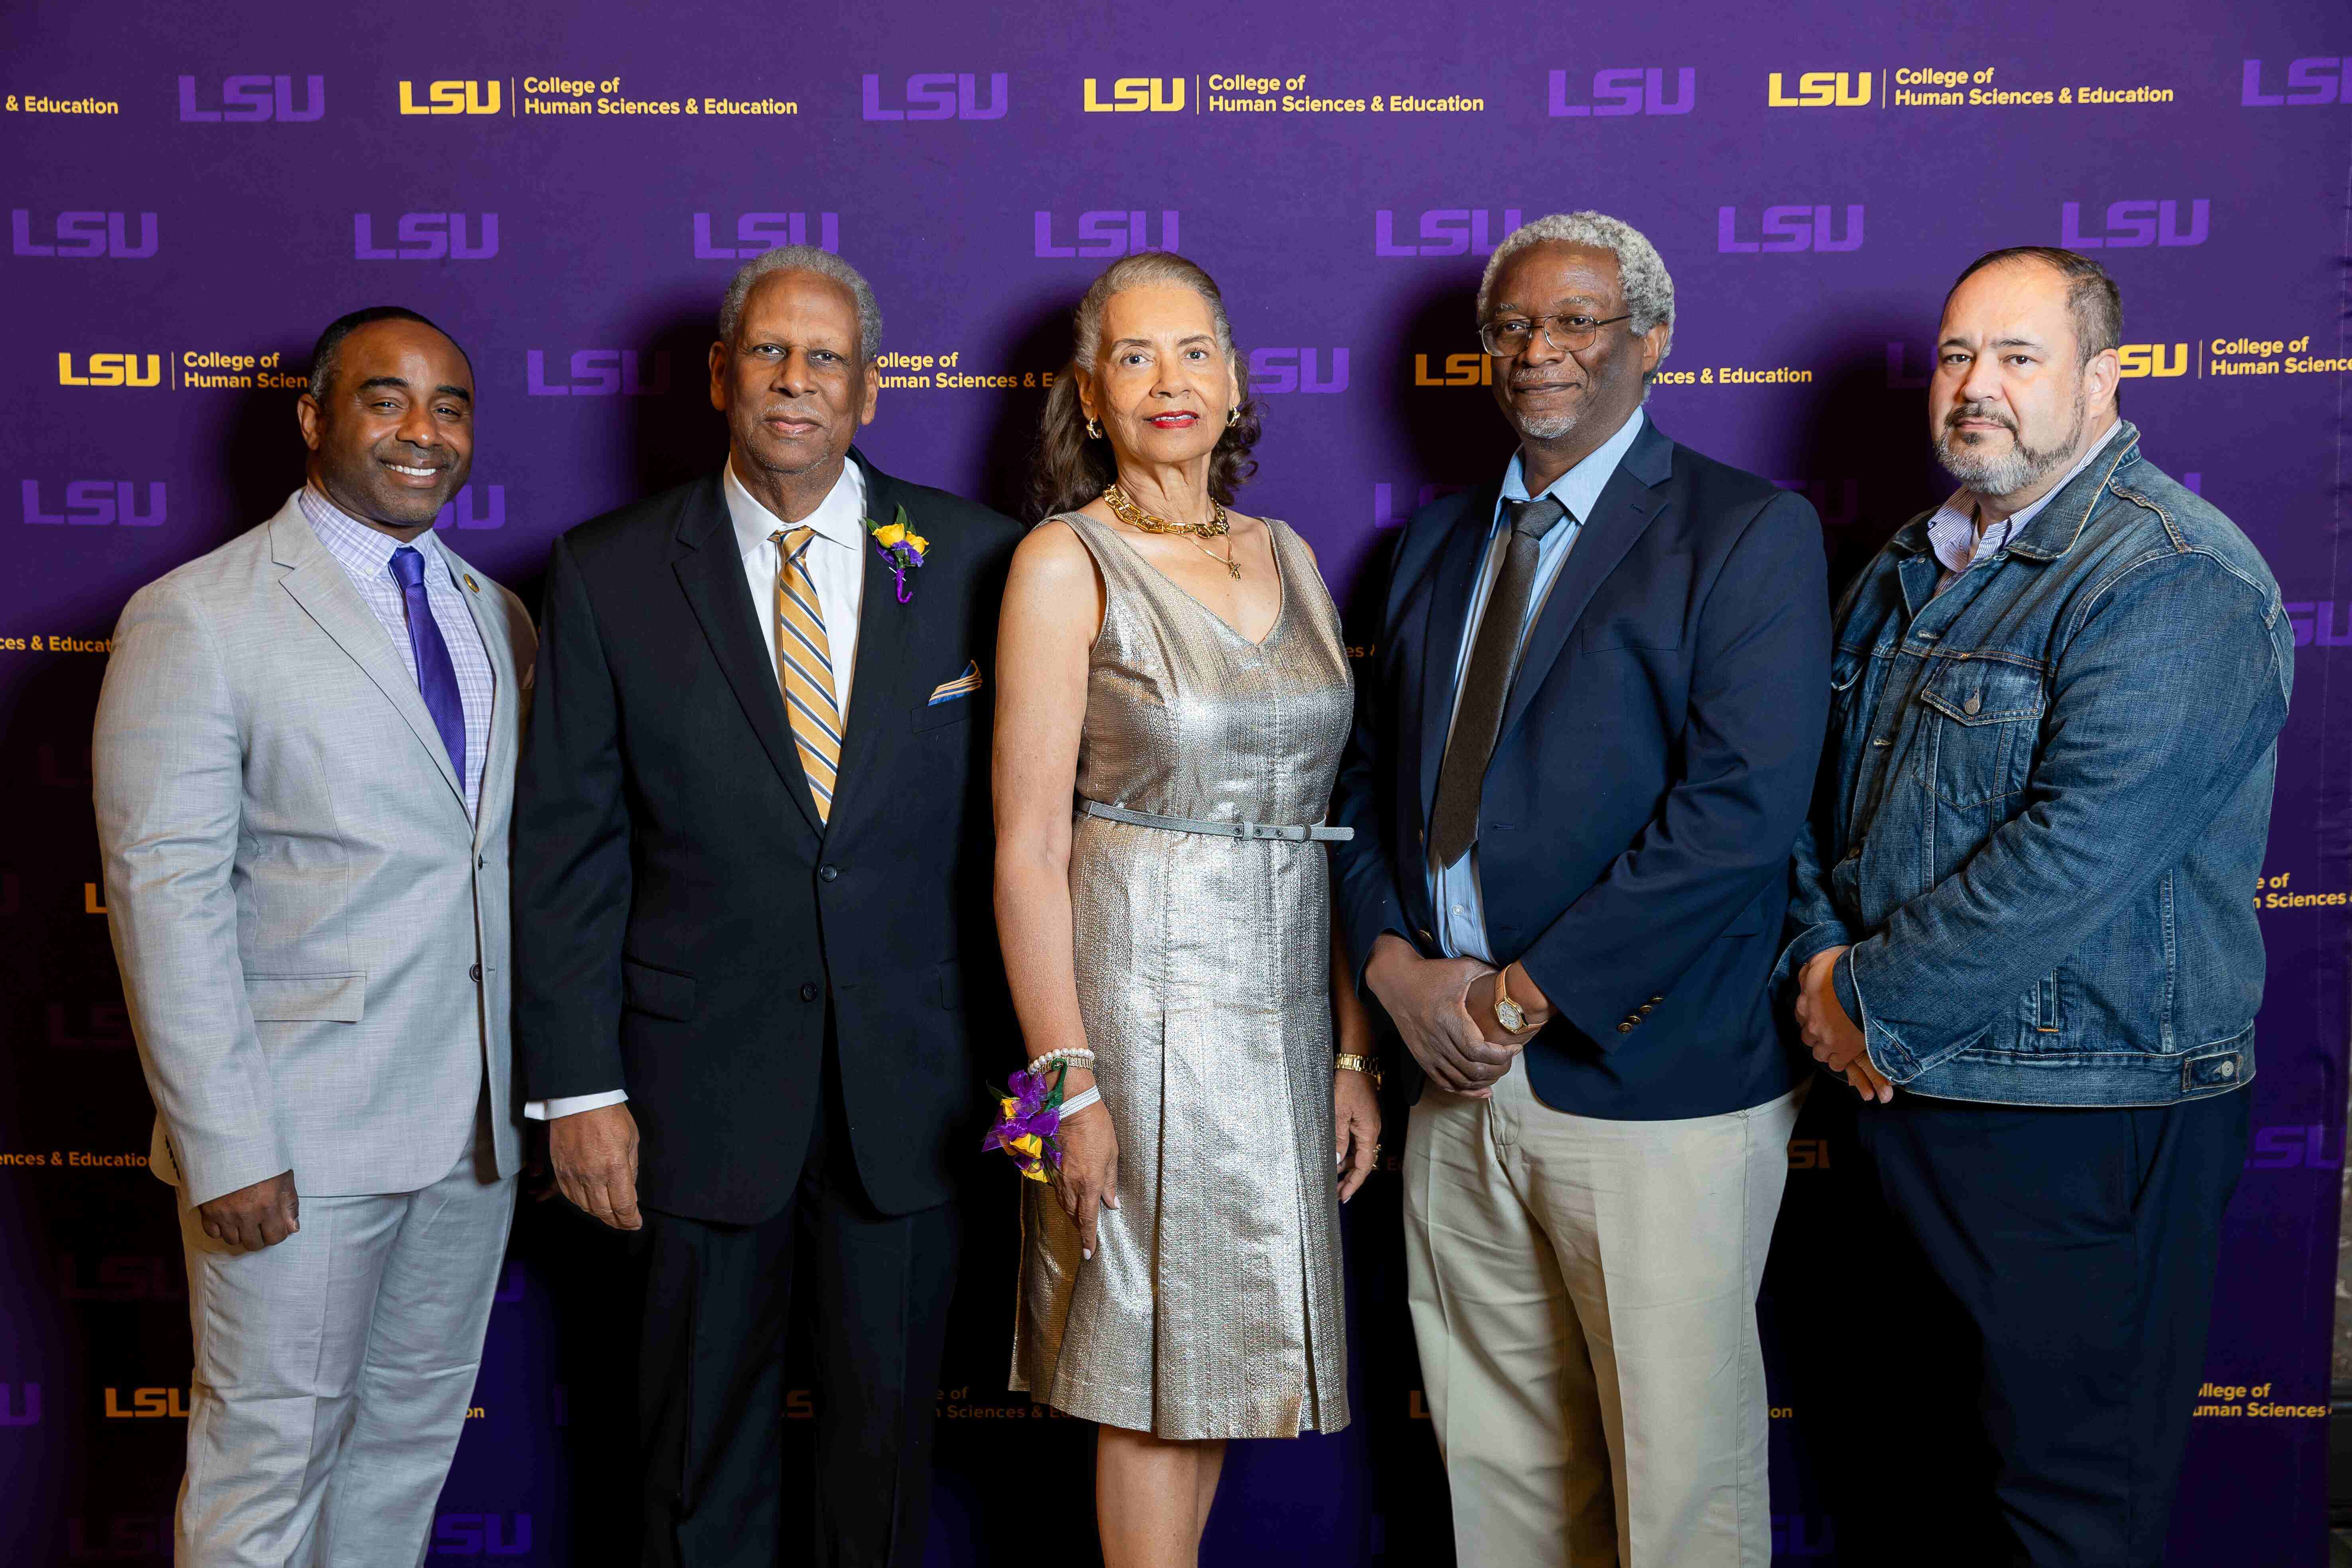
(900, 545)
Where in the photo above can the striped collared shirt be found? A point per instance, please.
(365, 556)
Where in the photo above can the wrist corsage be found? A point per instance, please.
(1029, 1113)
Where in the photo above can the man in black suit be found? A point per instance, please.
(1585, 748)
(751, 895)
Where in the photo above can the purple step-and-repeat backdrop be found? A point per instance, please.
(193, 193)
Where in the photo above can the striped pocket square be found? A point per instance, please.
(963, 685)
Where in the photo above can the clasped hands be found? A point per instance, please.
(1444, 1010)
(1833, 1038)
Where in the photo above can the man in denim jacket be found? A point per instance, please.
(2022, 920)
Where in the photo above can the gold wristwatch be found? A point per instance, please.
(1508, 1013)
(1348, 1061)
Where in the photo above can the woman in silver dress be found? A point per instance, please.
(1170, 670)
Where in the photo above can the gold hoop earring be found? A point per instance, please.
(1094, 431)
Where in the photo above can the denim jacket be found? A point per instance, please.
(2045, 799)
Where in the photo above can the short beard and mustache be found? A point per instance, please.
(1547, 427)
(1991, 473)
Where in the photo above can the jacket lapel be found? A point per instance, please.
(318, 583)
(711, 572)
(1458, 559)
(489, 613)
(878, 695)
(1627, 503)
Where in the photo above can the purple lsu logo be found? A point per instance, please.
(2131, 225)
(1388, 514)
(250, 100)
(2314, 623)
(426, 237)
(85, 235)
(1788, 230)
(1107, 233)
(2311, 81)
(939, 95)
(96, 503)
(481, 1534)
(1802, 1535)
(459, 510)
(120, 1276)
(2305, 1148)
(1294, 370)
(597, 372)
(1444, 231)
(757, 233)
(20, 1404)
(1627, 89)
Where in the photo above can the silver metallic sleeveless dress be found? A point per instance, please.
(1212, 1307)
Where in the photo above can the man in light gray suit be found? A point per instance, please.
(304, 760)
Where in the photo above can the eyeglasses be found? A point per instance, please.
(1510, 335)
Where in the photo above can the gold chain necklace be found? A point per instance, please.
(1122, 507)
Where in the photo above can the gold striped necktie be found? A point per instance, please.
(805, 666)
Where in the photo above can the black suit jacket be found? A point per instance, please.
(1656, 757)
(682, 915)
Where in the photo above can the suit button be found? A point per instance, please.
(1624, 1028)
(1644, 1008)
(480, 862)
(808, 990)
(827, 873)
(474, 974)
(1655, 1000)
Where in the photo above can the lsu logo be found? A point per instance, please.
(2131, 225)
(2152, 360)
(120, 1278)
(1294, 370)
(84, 235)
(96, 503)
(250, 100)
(458, 512)
(1820, 90)
(1444, 231)
(2313, 81)
(1107, 233)
(481, 1534)
(113, 370)
(2295, 1148)
(597, 372)
(1386, 512)
(1803, 1535)
(147, 1405)
(426, 237)
(20, 1404)
(1459, 369)
(1788, 230)
(1138, 95)
(756, 232)
(1627, 89)
(939, 95)
(451, 98)
(2314, 623)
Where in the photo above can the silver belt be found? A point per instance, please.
(1318, 835)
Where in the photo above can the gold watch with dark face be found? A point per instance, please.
(1508, 1013)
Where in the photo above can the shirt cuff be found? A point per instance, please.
(1849, 997)
(571, 1105)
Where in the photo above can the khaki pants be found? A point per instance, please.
(1583, 1293)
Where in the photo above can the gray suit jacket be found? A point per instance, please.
(314, 937)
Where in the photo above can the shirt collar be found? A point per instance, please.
(1578, 489)
(1952, 531)
(840, 517)
(365, 551)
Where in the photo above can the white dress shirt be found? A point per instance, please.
(1454, 890)
(835, 562)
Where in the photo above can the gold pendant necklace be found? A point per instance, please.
(1122, 507)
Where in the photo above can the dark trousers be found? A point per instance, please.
(2043, 1335)
(711, 1380)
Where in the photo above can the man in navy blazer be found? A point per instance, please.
(1587, 741)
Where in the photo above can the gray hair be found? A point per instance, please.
(1649, 287)
(1146, 269)
(804, 259)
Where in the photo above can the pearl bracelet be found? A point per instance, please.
(1068, 1056)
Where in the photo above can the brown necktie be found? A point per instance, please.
(1478, 718)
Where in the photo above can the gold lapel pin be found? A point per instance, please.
(471, 585)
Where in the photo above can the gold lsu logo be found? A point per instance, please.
(451, 98)
(2134, 361)
(1138, 95)
(112, 370)
(1820, 90)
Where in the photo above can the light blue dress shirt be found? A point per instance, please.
(1454, 890)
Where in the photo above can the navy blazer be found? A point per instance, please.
(1656, 759)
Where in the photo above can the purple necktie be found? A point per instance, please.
(436, 677)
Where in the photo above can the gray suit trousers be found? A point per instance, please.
(334, 1370)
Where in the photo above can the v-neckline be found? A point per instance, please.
(1281, 582)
